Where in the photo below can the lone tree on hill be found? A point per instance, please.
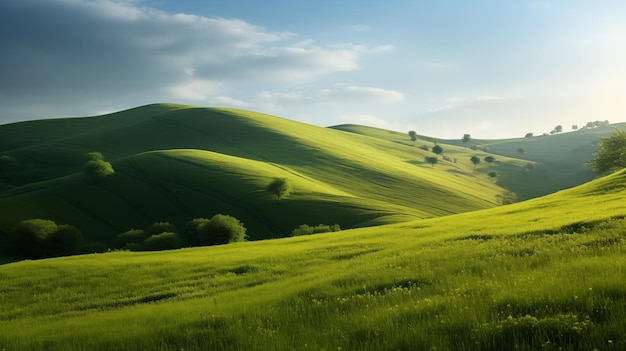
(438, 150)
(610, 155)
(279, 187)
(492, 175)
(96, 168)
(413, 136)
(558, 128)
(475, 160)
(575, 127)
(432, 160)
(521, 150)
(489, 159)
(528, 135)
(466, 139)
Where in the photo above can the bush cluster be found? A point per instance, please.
(42, 238)
(220, 229)
(305, 229)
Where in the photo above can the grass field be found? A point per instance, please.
(548, 273)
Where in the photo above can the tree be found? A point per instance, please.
(466, 139)
(610, 155)
(475, 160)
(221, 229)
(432, 160)
(589, 125)
(489, 159)
(279, 187)
(96, 168)
(558, 128)
(438, 150)
(30, 237)
(521, 151)
(575, 127)
(413, 136)
(492, 175)
(528, 135)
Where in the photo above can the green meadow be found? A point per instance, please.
(428, 258)
(548, 273)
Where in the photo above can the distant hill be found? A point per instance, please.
(556, 161)
(174, 163)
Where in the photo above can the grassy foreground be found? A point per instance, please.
(548, 273)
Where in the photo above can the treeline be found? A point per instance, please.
(44, 238)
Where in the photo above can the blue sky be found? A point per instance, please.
(493, 69)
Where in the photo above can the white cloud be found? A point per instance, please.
(227, 101)
(455, 102)
(194, 89)
(349, 94)
(105, 51)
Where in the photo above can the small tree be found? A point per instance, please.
(438, 150)
(528, 135)
(64, 241)
(475, 160)
(130, 239)
(492, 175)
(558, 128)
(610, 155)
(575, 127)
(432, 160)
(279, 187)
(96, 168)
(521, 151)
(466, 139)
(489, 159)
(31, 237)
(413, 136)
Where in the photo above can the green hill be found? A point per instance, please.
(549, 163)
(548, 273)
(174, 163)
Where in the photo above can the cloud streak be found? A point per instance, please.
(121, 52)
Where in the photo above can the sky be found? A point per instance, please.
(489, 68)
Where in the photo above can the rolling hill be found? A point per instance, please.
(174, 163)
(177, 162)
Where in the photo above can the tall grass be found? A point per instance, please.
(544, 274)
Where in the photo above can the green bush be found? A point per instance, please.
(163, 241)
(191, 231)
(221, 229)
(126, 239)
(98, 170)
(160, 227)
(66, 240)
(30, 237)
(305, 229)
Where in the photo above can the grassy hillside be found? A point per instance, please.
(174, 163)
(557, 161)
(548, 273)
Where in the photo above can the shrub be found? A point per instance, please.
(66, 240)
(163, 241)
(127, 239)
(305, 229)
(160, 227)
(425, 148)
(221, 229)
(191, 231)
(30, 237)
(98, 170)
(279, 187)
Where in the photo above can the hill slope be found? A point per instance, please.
(548, 164)
(548, 272)
(174, 163)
